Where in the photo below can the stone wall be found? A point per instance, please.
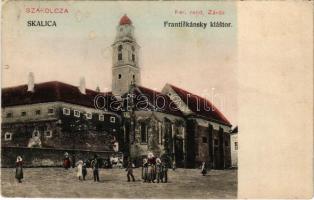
(44, 157)
(23, 135)
(206, 144)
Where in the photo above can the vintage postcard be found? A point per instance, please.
(117, 99)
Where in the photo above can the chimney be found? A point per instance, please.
(82, 87)
(97, 89)
(31, 82)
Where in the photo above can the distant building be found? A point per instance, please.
(174, 123)
(234, 147)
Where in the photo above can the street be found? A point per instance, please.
(58, 182)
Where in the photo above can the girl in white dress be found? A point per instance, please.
(80, 170)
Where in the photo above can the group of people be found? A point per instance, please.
(82, 167)
(154, 169)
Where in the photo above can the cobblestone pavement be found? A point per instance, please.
(57, 182)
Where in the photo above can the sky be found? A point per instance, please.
(202, 61)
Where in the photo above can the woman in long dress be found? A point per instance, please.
(19, 169)
(80, 170)
(204, 169)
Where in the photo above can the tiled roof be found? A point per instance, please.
(148, 99)
(49, 92)
(197, 105)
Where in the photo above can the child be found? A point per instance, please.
(129, 169)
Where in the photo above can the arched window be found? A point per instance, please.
(143, 132)
(133, 57)
(120, 52)
(119, 76)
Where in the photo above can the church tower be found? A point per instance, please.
(125, 68)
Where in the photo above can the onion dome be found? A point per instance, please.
(125, 20)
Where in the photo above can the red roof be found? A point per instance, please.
(150, 100)
(197, 105)
(49, 92)
(125, 20)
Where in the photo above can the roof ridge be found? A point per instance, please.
(208, 101)
(55, 83)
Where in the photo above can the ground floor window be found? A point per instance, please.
(48, 133)
(7, 136)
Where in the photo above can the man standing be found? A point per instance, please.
(165, 171)
(129, 169)
(95, 167)
(159, 170)
(84, 170)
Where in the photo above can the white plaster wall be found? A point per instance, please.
(234, 152)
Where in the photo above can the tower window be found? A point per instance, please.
(119, 76)
(119, 47)
(133, 57)
(133, 49)
(133, 76)
(120, 56)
